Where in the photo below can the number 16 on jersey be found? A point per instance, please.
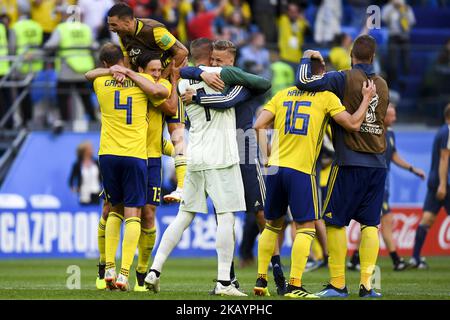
(293, 114)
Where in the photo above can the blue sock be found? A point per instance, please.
(421, 234)
(276, 265)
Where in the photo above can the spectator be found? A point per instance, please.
(340, 52)
(264, 14)
(142, 8)
(292, 28)
(5, 93)
(255, 58)
(201, 24)
(157, 13)
(182, 8)
(94, 12)
(47, 13)
(11, 9)
(435, 94)
(399, 17)
(171, 15)
(282, 74)
(236, 31)
(73, 41)
(328, 21)
(85, 175)
(238, 6)
(26, 36)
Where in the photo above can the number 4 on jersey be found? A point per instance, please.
(127, 106)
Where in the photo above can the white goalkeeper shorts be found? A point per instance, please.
(224, 187)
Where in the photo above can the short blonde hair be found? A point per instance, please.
(222, 45)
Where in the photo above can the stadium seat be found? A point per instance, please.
(432, 17)
(430, 36)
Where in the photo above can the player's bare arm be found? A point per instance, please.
(443, 172)
(153, 89)
(170, 106)
(98, 72)
(399, 161)
(213, 80)
(264, 120)
(352, 122)
(179, 54)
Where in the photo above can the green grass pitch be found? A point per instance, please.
(191, 279)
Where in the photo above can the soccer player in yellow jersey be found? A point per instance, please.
(123, 157)
(299, 119)
(151, 64)
(141, 36)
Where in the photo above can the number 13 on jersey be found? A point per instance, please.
(293, 114)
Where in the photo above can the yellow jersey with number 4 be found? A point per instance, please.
(124, 117)
(300, 121)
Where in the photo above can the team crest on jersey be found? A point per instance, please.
(371, 115)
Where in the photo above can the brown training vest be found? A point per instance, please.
(371, 136)
(135, 45)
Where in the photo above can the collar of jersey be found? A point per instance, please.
(366, 67)
(139, 26)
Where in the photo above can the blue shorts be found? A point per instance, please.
(180, 116)
(154, 181)
(124, 180)
(254, 187)
(298, 190)
(433, 205)
(354, 193)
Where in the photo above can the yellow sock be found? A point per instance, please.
(337, 250)
(145, 246)
(300, 253)
(266, 245)
(129, 244)
(168, 148)
(180, 170)
(368, 253)
(316, 249)
(101, 239)
(112, 237)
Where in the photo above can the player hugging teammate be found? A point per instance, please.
(213, 95)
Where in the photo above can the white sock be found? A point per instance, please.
(171, 237)
(225, 244)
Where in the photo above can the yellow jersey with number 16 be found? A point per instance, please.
(124, 117)
(300, 121)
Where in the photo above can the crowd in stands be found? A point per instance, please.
(271, 36)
